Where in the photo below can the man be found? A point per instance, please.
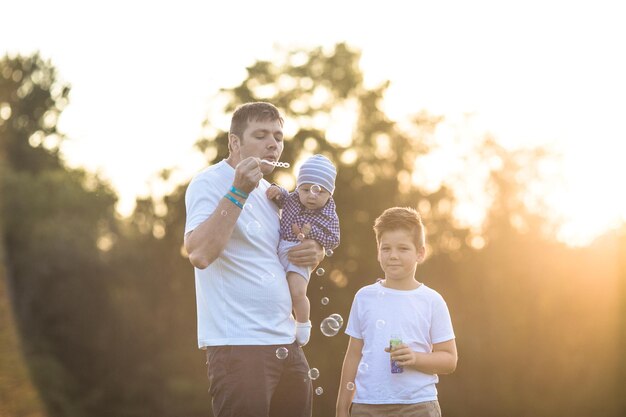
(255, 368)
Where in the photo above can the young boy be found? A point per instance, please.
(309, 211)
(400, 381)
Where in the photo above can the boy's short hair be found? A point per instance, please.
(255, 111)
(403, 218)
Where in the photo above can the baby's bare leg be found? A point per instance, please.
(301, 307)
(299, 300)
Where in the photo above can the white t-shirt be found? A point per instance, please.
(243, 297)
(420, 317)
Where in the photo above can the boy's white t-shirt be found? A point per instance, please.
(420, 317)
(242, 297)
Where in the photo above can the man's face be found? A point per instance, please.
(264, 140)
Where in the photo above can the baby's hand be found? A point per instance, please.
(272, 192)
(301, 233)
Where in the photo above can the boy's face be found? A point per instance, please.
(397, 254)
(313, 196)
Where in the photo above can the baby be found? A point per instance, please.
(309, 212)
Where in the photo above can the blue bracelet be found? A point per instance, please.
(234, 201)
(238, 192)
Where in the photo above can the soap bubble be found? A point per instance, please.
(314, 373)
(320, 272)
(316, 189)
(319, 390)
(325, 300)
(282, 352)
(338, 318)
(329, 252)
(224, 213)
(267, 277)
(329, 327)
(380, 323)
(350, 386)
(253, 228)
(301, 236)
(364, 367)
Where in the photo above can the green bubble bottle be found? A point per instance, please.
(394, 342)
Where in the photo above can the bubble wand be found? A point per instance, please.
(277, 163)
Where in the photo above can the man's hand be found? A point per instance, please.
(272, 192)
(307, 253)
(248, 174)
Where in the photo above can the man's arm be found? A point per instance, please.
(205, 243)
(348, 375)
(442, 360)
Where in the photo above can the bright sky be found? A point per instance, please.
(531, 72)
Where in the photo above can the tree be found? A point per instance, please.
(18, 396)
(107, 313)
(51, 221)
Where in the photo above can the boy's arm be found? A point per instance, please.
(348, 375)
(442, 360)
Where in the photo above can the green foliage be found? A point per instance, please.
(51, 220)
(18, 396)
(106, 305)
(31, 100)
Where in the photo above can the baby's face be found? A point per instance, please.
(313, 196)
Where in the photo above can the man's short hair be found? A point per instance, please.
(256, 111)
(401, 218)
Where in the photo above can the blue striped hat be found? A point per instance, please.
(318, 170)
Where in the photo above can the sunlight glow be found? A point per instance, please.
(537, 73)
(593, 200)
(342, 122)
(582, 192)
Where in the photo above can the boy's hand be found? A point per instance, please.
(403, 355)
(272, 192)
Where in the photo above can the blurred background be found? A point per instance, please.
(502, 124)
